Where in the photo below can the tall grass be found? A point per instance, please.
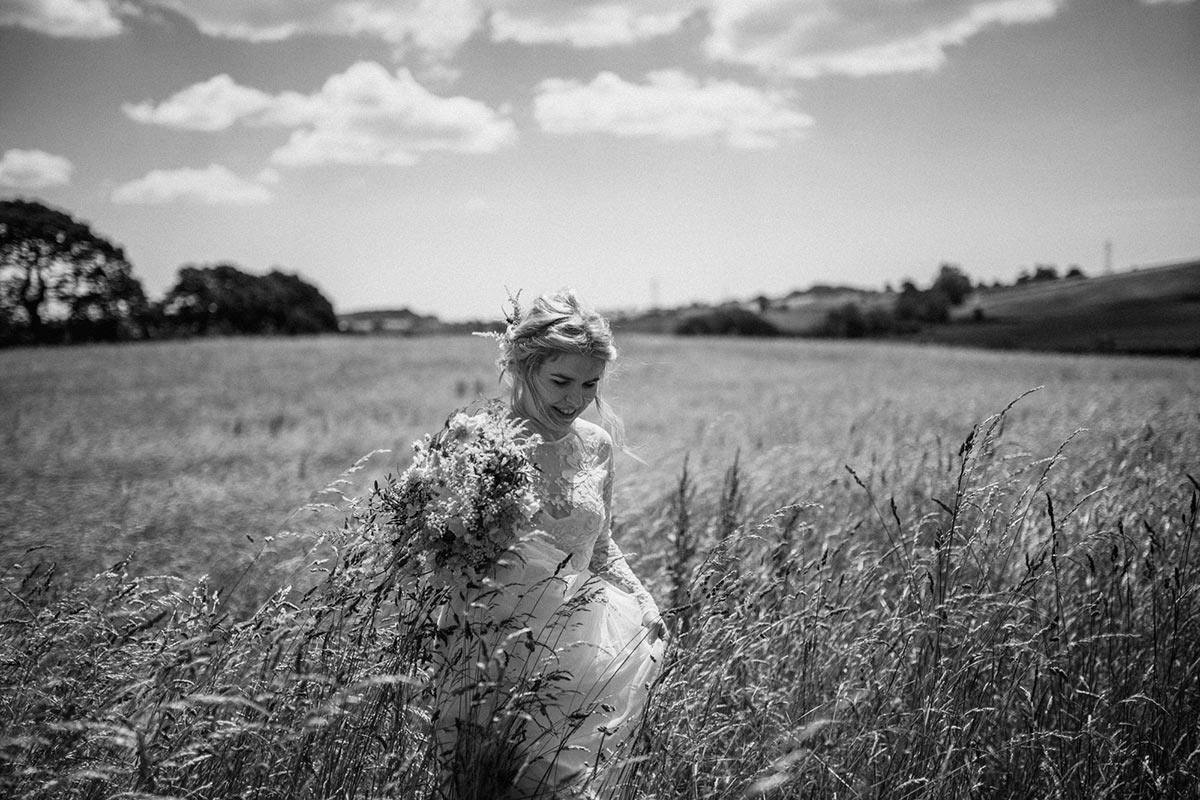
(975, 621)
(992, 646)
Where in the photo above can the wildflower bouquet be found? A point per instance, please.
(467, 495)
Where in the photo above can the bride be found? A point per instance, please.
(545, 698)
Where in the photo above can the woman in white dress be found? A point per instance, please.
(541, 703)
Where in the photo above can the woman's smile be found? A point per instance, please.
(561, 389)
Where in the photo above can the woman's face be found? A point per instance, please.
(563, 386)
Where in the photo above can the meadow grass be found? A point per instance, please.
(190, 454)
(880, 585)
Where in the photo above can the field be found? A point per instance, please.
(880, 588)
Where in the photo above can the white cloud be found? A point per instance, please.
(670, 105)
(364, 115)
(809, 38)
(435, 25)
(440, 26)
(800, 38)
(33, 169)
(214, 185)
(82, 19)
(213, 105)
(1165, 2)
(587, 23)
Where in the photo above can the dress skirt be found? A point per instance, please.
(542, 676)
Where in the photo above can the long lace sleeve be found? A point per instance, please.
(607, 559)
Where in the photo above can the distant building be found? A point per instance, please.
(394, 322)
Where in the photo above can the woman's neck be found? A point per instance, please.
(534, 426)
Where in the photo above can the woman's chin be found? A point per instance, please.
(558, 423)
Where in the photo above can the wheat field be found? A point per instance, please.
(893, 570)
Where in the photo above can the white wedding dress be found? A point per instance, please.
(545, 672)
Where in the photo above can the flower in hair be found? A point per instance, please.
(511, 318)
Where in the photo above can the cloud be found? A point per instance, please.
(214, 185)
(364, 115)
(799, 38)
(81, 19)
(33, 169)
(213, 105)
(440, 26)
(671, 105)
(434, 25)
(587, 23)
(810, 38)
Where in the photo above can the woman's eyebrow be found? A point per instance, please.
(567, 377)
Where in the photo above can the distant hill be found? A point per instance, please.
(798, 313)
(1152, 310)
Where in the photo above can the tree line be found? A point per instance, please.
(868, 314)
(62, 282)
(913, 307)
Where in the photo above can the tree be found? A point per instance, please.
(1041, 272)
(61, 281)
(1045, 272)
(953, 283)
(850, 321)
(914, 305)
(296, 306)
(210, 299)
(845, 321)
(730, 321)
(222, 299)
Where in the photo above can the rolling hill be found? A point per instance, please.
(1152, 310)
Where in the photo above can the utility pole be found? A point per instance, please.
(1108, 257)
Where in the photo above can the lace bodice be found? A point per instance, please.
(575, 487)
(575, 482)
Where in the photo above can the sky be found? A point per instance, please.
(438, 154)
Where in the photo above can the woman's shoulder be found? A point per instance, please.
(594, 437)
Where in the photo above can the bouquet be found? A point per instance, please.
(466, 497)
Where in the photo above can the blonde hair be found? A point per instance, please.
(555, 324)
